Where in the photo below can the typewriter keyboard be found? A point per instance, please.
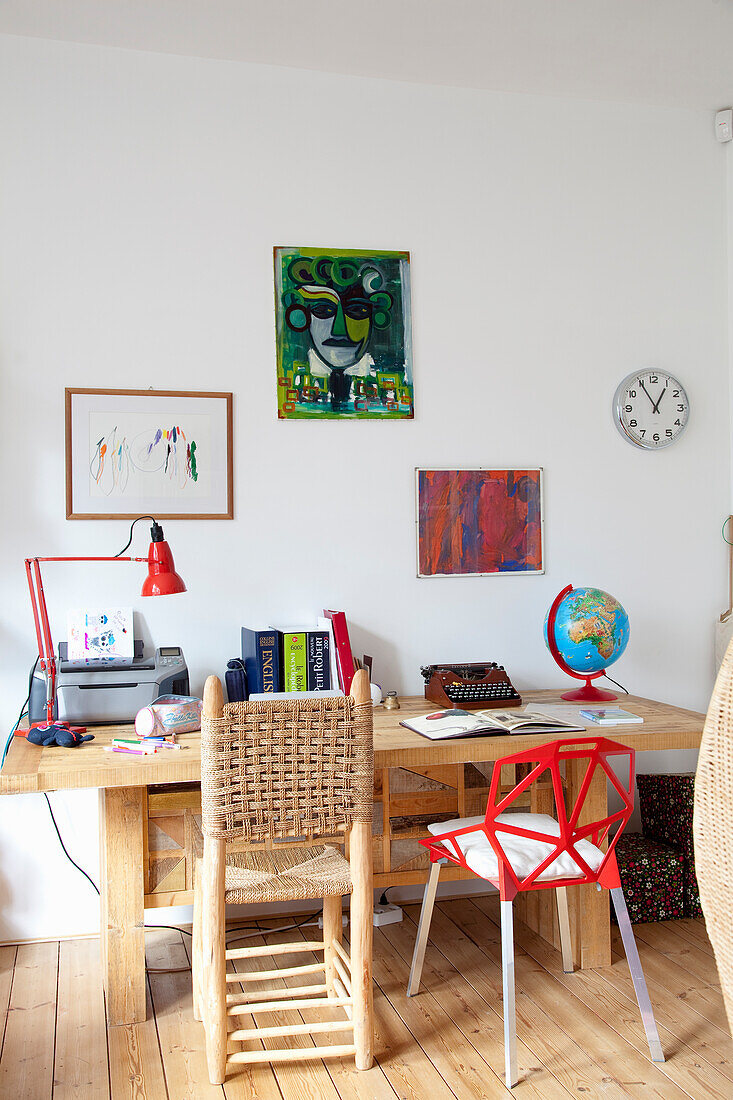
(488, 694)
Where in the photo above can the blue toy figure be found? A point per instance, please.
(57, 735)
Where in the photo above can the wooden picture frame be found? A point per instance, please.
(167, 453)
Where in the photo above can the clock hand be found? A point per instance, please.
(646, 391)
(656, 407)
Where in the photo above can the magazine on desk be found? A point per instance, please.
(441, 725)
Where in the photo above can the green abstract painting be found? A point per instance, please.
(344, 334)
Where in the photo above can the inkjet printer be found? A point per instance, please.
(111, 691)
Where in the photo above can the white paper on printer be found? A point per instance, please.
(99, 635)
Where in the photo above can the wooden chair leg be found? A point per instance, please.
(362, 932)
(213, 961)
(332, 931)
(196, 951)
(423, 929)
(637, 975)
(563, 922)
(510, 1008)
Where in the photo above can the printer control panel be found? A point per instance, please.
(169, 655)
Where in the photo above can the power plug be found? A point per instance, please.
(344, 920)
(387, 914)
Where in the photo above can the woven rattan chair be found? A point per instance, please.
(278, 778)
(712, 827)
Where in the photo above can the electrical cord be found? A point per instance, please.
(61, 842)
(120, 552)
(22, 711)
(258, 930)
(618, 685)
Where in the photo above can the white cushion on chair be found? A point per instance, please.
(523, 853)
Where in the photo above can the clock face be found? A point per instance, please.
(651, 409)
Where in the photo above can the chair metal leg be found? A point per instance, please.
(510, 1008)
(563, 921)
(423, 928)
(637, 975)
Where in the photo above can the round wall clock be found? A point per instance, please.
(651, 409)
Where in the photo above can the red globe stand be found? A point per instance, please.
(588, 693)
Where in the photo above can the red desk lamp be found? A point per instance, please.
(162, 580)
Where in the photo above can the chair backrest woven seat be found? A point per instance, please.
(286, 768)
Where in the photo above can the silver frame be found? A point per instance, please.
(618, 418)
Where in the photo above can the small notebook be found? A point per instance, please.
(609, 716)
(442, 725)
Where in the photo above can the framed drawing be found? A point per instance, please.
(479, 523)
(148, 452)
(344, 334)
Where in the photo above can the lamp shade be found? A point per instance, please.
(162, 579)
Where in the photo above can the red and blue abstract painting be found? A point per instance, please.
(479, 522)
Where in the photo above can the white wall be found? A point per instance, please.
(556, 246)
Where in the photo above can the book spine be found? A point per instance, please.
(261, 660)
(318, 657)
(344, 656)
(294, 661)
(251, 658)
(269, 661)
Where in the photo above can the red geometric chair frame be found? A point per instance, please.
(597, 751)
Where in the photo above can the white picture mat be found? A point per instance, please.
(203, 418)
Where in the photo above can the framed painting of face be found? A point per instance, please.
(344, 334)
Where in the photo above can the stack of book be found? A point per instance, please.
(299, 660)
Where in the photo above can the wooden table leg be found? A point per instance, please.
(590, 920)
(121, 814)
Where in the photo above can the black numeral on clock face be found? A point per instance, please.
(629, 408)
(653, 378)
(632, 423)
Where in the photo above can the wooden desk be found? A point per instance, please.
(144, 798)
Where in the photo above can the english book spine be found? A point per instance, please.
(261, 660)
(269, 661)
(318, 657)
(294, 661)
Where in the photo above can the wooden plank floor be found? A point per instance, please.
(579, 1034)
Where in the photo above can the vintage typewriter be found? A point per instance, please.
(470, 686)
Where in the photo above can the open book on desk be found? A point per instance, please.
(441, 725)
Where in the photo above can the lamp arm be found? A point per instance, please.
(44, 638)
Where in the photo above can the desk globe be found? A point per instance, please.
(586, 630)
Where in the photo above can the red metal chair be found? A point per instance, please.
(517, 852)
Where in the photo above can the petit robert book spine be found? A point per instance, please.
(261, 660)
(318, 658)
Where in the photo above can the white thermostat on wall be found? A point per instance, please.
(724, 125)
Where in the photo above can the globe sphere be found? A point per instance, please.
(591, 630)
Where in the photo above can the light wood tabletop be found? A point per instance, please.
(31, 768)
